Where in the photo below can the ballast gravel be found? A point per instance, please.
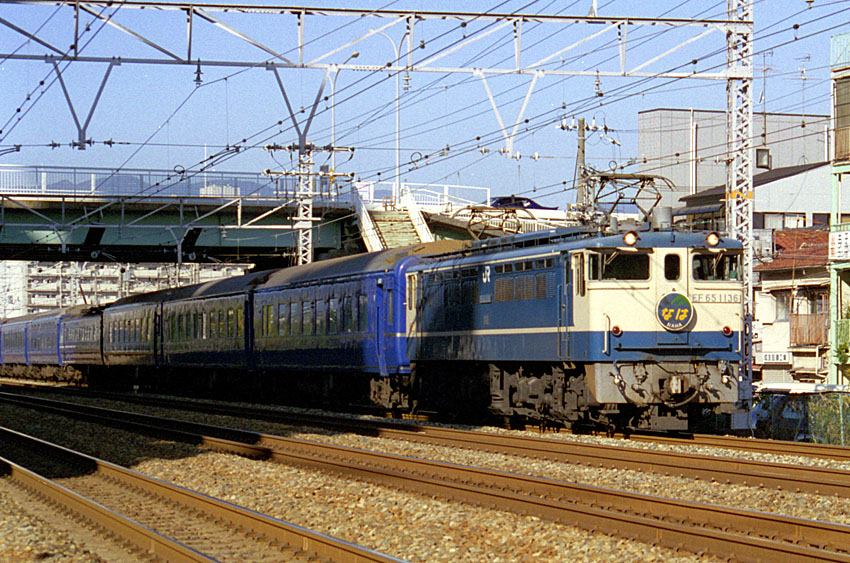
(405, 525)
(26, 537)
(787, 502)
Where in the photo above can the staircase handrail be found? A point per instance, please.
(408, 202)
(367, 226)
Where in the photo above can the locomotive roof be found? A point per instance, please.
(360, 263)
(577, 238)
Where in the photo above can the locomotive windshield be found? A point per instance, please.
(618, 266)
(717, 267)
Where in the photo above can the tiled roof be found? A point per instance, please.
(798, 248)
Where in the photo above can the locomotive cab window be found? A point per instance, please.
(616, 266)
(724, 266)
(672, 267)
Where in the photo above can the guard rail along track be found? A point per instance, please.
(796, 478)
(697, 527)
(160, 520)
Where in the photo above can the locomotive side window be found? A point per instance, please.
(619, 266)
(578, 274)
(717, 267)
(672, 267)
(213, 325)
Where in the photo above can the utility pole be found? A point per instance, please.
(305, 193)
(581, 195)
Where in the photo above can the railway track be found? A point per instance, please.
(697, 527)
(797, 478)
(775, 447)
(161, 520)
(335, 422)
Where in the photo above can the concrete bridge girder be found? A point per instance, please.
(210, 229)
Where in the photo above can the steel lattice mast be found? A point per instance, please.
(739, 165)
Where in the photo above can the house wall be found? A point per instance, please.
(664, 145)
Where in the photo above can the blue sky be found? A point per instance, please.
(159, 118)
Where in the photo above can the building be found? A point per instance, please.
(688, 146)
(791, 341)
(33, 287)
(839, 238)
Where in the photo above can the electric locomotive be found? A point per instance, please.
(637, 329)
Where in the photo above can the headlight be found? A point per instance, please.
(630, 238)
(713, 239)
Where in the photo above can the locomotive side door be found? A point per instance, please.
(673, 311)
(565, 305)
(577, 316)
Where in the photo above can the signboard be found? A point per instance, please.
(839, 245)
(773, 358)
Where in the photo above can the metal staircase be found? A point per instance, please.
(395, 225)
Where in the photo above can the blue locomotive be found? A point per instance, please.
(583, 326)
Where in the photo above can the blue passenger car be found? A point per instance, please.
(339, 315)
(80, 343)
(43, 335)
(14, 341)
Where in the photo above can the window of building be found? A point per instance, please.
(818, 303)
(783, 304)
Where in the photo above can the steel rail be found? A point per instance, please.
(699, 527)
(156, 544)
(782, 476)
(775, 447)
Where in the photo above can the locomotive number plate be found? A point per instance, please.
(716, 297)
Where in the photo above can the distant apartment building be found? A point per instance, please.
(32, 287)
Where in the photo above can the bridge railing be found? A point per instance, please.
(82, 183)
